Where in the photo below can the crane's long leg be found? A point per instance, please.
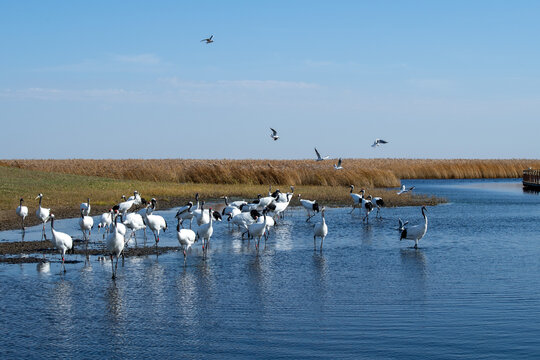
(112, 267)
(314, 242)
(322, 240)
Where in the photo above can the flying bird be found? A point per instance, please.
(274, 134)
(338, 165)
(379, 142)
(208, 40)
(319, 157)
(404, 190)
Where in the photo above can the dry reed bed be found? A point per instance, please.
(64, 192)
(364, 172)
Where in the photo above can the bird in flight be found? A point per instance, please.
(379, 142)
(274, 134)
(319, 157)
(404, 190)
(208, 40)
(338, 165)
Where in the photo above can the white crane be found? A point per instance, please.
(43, 215)
(185, 213)
(274, 134)
(378, 142)
(85, 207)
(243, 220)
(258, 229)
(416, 232)
(156, 223)
(60, 241)
(118, 226)
(124, 206)
(270, 223)
(405, 190)
(106, 221)
(367, 205)
(86, 223)
(205, 231)
(280, 206)
(186, 238)
(378, 202)
(338, 165)
(134, 222)
(115, 246)
(208, 40)
(137, 197)
(310, 206)
(203, 217)
(357, 199)
(320, 230)
(22, 211)
(319, 157)
(229, 208)
(237, 203)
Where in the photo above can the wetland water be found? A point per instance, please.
(471, 290)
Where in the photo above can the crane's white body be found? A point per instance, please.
(311, 206)
(61, 241)
(338, 165)
(115, 245)
(185, 213)
(105, 221)
(156, 223)
(134, 222)
(243, 220)
(186, 238)
(281, 206)
(124, 206)
(416, 232)
(86, 223)
(85, 208)
(136, 198)
(205, 231)
(357, 199)
(258, 229)
(22, 212)
(43, 215)
(320, 230)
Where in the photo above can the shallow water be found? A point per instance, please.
(469, 291)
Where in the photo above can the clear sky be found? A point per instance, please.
(131, 79)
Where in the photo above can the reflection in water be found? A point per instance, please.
(44, 267)
(186, 300)
(62, 309)
(321, 274)
(413, 264)
(117, 313)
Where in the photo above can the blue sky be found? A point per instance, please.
(106, 79)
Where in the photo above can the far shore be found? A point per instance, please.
(173, 182)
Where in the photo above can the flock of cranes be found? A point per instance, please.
(252, 218)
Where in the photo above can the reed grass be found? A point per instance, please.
(64, 192)
(373, 173)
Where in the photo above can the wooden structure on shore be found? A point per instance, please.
(531, 178)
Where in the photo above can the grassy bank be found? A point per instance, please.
(373, 173)
(64, 192)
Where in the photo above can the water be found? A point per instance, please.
(470, 291)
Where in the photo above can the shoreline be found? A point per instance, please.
(10, 221)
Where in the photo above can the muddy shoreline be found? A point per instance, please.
(9, 251)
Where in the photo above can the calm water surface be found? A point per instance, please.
(470, 291)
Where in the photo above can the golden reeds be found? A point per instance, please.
(361, 172)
